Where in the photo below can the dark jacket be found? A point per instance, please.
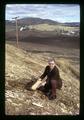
(52, 75)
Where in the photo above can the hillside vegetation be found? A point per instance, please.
(47, 27)
(44, 27)
(24, 66)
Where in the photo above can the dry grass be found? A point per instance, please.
(66, 66)
(22, 67)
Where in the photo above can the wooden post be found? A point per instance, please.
(16, 20)
(17, 32)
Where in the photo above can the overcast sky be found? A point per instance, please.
(56, 12)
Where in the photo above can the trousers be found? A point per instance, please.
(51, 86)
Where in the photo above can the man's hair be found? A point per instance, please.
(50, 60)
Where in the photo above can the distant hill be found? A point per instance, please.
(8, 22)
(72, 24)
(32, 21)
(35, 21)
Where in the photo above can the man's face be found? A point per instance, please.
(51, 64)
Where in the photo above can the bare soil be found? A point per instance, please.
(45, 38)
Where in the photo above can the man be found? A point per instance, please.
(53, 80)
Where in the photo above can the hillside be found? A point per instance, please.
(22, 67)
(35, 21)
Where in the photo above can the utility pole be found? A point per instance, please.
(16, 20)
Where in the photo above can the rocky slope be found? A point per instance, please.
(22, 67)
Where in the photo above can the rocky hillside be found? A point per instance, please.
(23, 67)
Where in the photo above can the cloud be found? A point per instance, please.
(57, 12)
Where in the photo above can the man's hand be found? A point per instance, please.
(39, 79)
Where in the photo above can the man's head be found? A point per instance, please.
(51, 63)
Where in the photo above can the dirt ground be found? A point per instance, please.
(45, 38)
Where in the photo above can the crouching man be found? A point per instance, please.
(53, 80)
